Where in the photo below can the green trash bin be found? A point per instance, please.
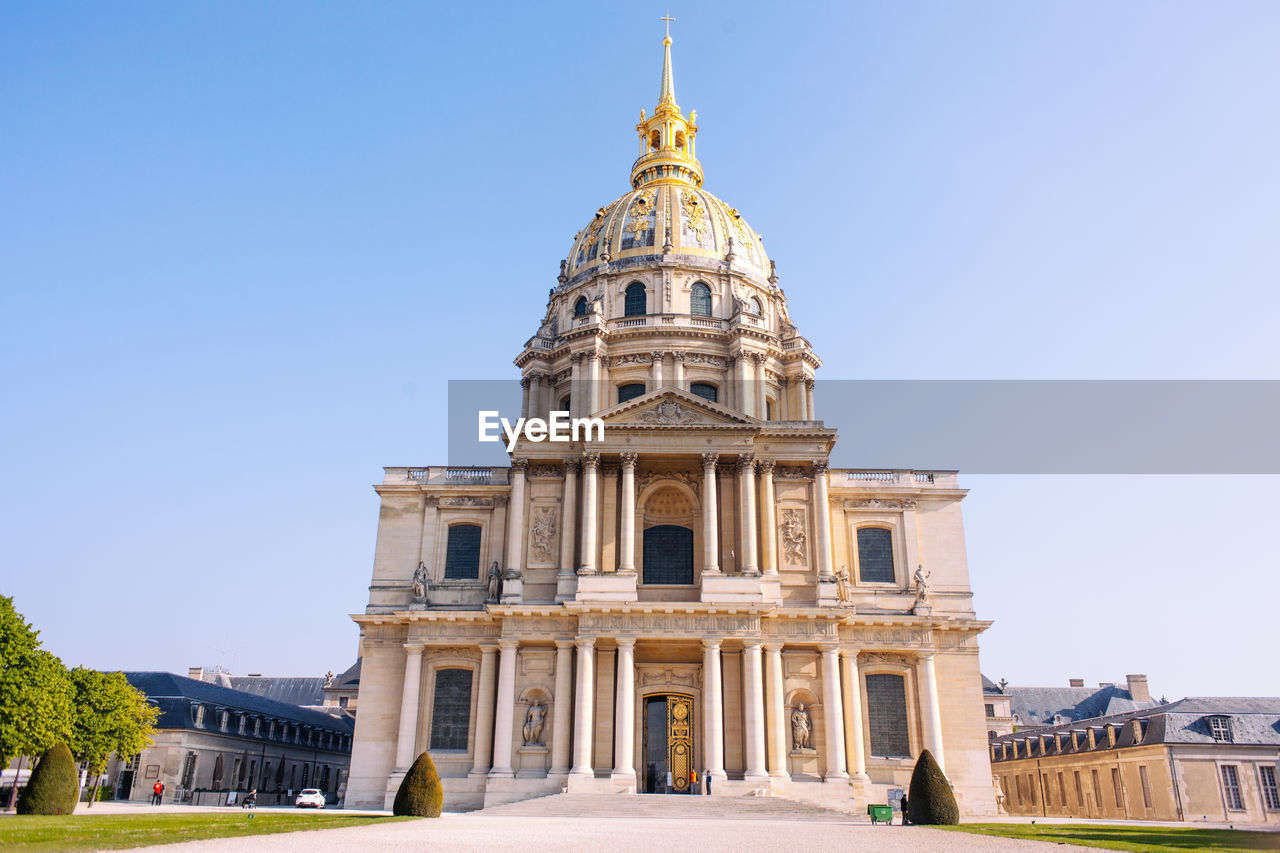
(880, 813)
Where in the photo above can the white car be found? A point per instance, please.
(310, 798)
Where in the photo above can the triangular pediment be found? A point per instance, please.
(673, 407)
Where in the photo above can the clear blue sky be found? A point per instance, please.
(237, 239)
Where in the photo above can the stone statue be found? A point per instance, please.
(844, 587)
(533, 724)
(494, 584)
(328, 678)
(922, 583)
(420, 583)
(1001, 799)
(801, 728)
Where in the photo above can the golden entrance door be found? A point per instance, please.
(668, 744)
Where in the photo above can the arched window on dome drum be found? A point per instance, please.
(462, 554)
(635, 303)
(630, 391)
(705, 390)
(700, 300)
(756, 307)
(875, 555)
(580, 307)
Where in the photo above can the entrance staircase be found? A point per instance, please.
(672, 806)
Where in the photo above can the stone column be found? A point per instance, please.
(852, 700)
(526, 397)
(590, 464)
(484, 712)
(833, 713)
(746, 400)
(593, 393)
(762, 409)
(535, 397)
(713, 710)
(562, 711)
(627, 558)
(747, 479)
(822, 509)
(768, 520)
(410, 698)
(808, 398)
(753, 713)
(568, 516)
(505, 709)
(655, 372)
(930, 714)
(775, 711)
(710, 522)
(575, 384)
(677, 359)
(624, 718)
(583, 705)
(515, 518)
(730, 384)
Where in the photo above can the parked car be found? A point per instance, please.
(310, 798)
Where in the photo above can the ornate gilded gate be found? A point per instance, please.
(668, 748)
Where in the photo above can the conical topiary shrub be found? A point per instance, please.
(54, 785)
(930, 801)
(420, 794)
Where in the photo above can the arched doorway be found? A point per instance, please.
(667, 752)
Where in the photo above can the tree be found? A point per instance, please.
(420, 793)
(36, 708)
(930, 800)
(111, 716)
(54, 785)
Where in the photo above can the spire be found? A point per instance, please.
(667, 90)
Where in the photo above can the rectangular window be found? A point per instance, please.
(1031, 783)
(887, 715)
(1146, 786)
(462, 554)
(1079, 791)
(1062, 790)
(1231, 788)
(875, 555)
(1270, 796)
(1097, 790)
(1048, 792)
(1119, 789)
(451, 709)
(1220, 728)
(1018, 787)
(991, 710)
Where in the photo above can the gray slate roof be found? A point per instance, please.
(293, 690)
(1037, 706)
(174, 695)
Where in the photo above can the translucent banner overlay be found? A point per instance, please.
(977, 426)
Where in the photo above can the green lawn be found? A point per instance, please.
(1139, 838)
(37, 834)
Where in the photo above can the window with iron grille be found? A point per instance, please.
(887, 715)
(451, 709)
(635, 303)
(875, 555)
(630, 391)
(462, 554)
(1267, 780)
(1231, 787)
(700, 300)
(991, 710)
(705, 390)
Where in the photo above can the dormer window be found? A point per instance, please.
(1220, 728)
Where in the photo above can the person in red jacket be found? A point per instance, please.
(157, 793)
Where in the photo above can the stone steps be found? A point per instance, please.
(671, 806)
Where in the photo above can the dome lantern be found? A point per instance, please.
(666, 138)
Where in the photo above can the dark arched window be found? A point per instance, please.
(704, 390)
(756, 307)
(451, 709)
(700, 300)
(630, 391)
(462, 554)
(668, 555)
(875, 555)
(635, 302)
(580, 307)
(887, 715)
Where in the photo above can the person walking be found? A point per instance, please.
(906, 819)
(157, 793)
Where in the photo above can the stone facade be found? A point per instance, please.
(695, 593)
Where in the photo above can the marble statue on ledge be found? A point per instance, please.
(801, 729)
(494, 584)
(534, 721)
(421, 584)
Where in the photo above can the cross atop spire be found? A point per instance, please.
(667, 90)
(667, 17)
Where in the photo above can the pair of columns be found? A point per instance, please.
(624, 770)
(657, 360)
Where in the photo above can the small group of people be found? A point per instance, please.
(157, 793)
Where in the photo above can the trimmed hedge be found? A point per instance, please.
(420, 794)
(54, 786)
(931, 801)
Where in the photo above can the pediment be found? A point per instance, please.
(672, 407)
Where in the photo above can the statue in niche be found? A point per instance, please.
(922, 583)
(844, 587)
(801, 728)
(494, 586)
(534, 721)
(420, 583)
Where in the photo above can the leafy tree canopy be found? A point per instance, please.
(111, 716)
(36, 695)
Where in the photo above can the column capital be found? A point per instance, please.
(745, 462)
(657, 355)
(594, 355)
(576, 357)
(819, 468)
(809, 382)
(585, 642)
(710, 643)
(431, 500)
(759, 357)
(571, 467)
(590, 460)
(678, 356)
(925, 656)
(709, 460)
(829, 648)
(525, 382)
(773, 646)
(751, 645)
(849, 653)
(520, 465)
(414, 648)
(500, 500)
(626, 642)
(628, 459)
(765, 467)
(562, 643)
(488, 648)
(509, 643)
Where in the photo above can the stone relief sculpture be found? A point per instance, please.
(494, 584)
(668, 412)
(801, 728)
(534, 722)
(420, 583)
(544, 533)
(793, 537)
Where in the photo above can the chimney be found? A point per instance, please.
(1138, 688)
(1106, 684)
(196, 672)
(1075, 682)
